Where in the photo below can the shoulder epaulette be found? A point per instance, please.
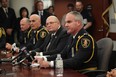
(42, 32)
(29, 33)
(2, 32)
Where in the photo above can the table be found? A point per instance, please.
(23, 71)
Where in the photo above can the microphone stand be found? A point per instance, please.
(14, 60)
(21, 61)
(16, 57)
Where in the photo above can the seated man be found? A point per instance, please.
(37, 33)
(23, 39)
(56, 40)
(80, 52)
(24, 35)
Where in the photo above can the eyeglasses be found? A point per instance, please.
(50, 23)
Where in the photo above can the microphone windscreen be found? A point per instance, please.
(33, 53)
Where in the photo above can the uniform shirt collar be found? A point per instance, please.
(75, 35)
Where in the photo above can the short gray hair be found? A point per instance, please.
(77, 15)
(26, 19)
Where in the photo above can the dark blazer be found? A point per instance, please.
(84, 52)
(43, 17)
(58, 43)
(7, 22)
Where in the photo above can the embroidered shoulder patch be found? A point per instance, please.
(43, 34)
(85, 42)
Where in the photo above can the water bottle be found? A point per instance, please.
(59, 66)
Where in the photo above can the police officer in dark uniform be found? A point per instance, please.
(87, 16)
(24, 36)
(37, 33)
(80, 52)
(24, 32)
(2, 38)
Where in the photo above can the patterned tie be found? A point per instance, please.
(51, 39)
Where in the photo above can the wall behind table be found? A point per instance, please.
(61, 7)
(17, 4)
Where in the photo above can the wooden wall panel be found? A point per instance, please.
(61, 7)
(112, 35)
(98, 6)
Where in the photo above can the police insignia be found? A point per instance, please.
(42, 34)
(85, 42)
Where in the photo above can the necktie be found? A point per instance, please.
(51, 39)
(40, 14)
(6, 12)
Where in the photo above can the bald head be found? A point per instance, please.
(35, 16)
(52, 23)
(25, 20)
(35, 21)
(53, 18)
(24, 24)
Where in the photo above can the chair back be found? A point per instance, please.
(105, 47)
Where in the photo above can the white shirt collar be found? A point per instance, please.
(40, 12)
(5, 9)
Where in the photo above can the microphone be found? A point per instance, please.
(33, 53)
(10, 59)
(17, 56)
(16, 63)
(27, 55)
(24, 50)
(14, 48)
